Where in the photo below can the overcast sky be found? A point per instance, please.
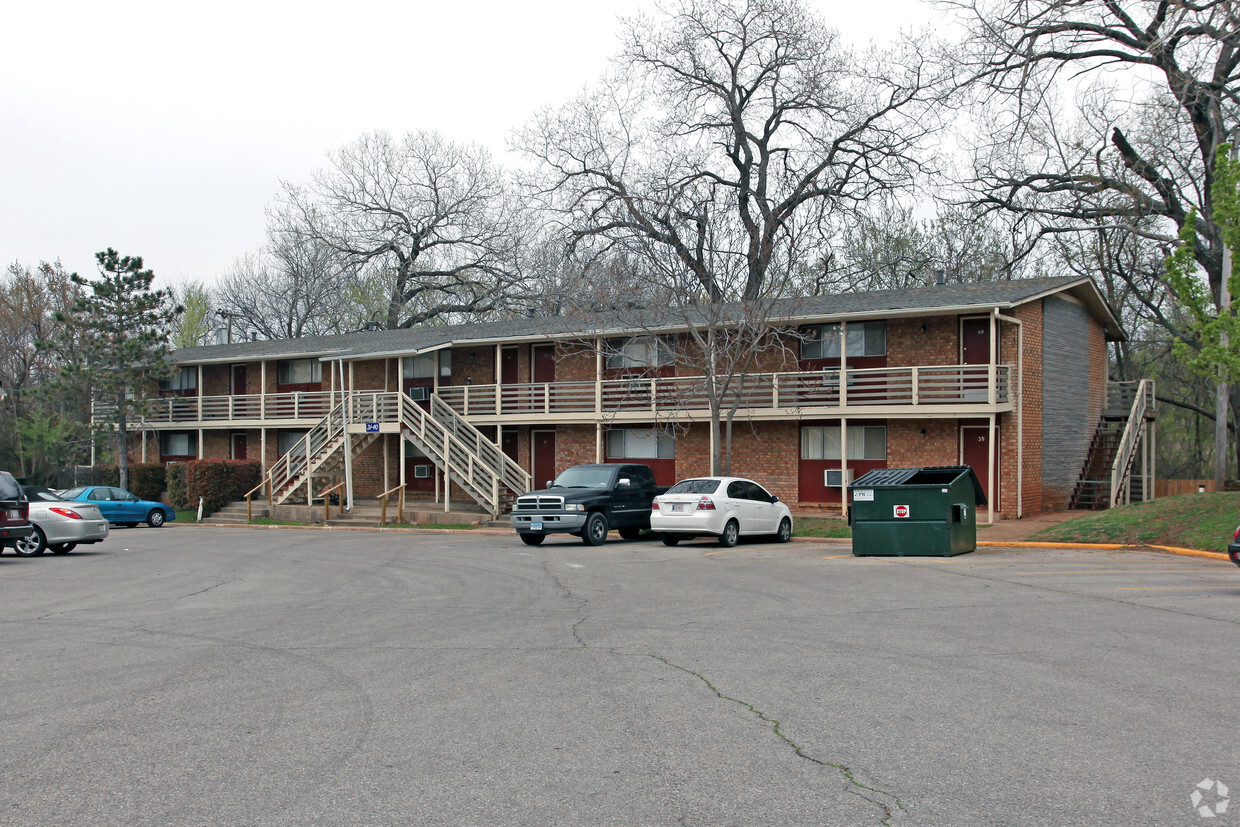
(163, 129)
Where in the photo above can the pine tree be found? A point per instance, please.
(120, 339)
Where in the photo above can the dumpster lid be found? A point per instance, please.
(931, 475)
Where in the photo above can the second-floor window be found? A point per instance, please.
(865, 442)
(638, 352)
(299, 371)
(864, 339)
(185, 379)
(424, 365)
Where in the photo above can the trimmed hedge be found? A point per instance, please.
(147, 480)
(217, 481)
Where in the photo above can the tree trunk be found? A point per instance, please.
(122, 442)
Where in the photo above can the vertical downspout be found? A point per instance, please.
(1020, 413)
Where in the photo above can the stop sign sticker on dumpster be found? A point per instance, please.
(902, 511)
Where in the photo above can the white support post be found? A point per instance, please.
(843, 375)
(916, 377)
(200, 454)
(843, 465)
(991, 450)
(994, 359)
(598, 376)
(262, 400)
(447, 478)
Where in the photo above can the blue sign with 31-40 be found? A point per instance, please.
(372, 427)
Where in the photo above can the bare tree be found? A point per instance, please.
(1156, 85)
(430, 220)
(728, 138)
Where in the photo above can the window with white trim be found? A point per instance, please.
(424, 365)
(299, 371)
(178, 443)
(864, 339)
(635, 443)
(638, 352)
(185, 379)
(865, 442)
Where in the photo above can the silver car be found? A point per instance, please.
(60, 525)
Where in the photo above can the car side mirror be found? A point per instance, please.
(549, 483)
(774, 499)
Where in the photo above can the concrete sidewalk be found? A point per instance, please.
(1006, 531)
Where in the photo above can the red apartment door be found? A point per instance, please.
(544, 457)
(238, 380)
(974, 442)
(975, 340)
(508, 376)
(238, 446)
(508, 444)
(544, 363)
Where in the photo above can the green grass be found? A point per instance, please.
(187, 515)
(1200, 521)
(821, 527)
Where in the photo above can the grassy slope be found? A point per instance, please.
(1200, 521)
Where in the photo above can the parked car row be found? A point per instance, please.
(35, 519)
(587, 501)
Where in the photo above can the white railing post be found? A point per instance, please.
(916, 389)
(775, 390)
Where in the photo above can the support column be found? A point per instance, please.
(991, 449)
(843, 465)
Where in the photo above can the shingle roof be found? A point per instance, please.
(933, 299)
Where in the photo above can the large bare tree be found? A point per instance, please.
(430, 220)
(1156, 94)
(731, 138)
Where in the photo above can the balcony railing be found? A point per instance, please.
(870, 387)
(308, 405)
(934, 385)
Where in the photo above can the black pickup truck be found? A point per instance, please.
(588, 501)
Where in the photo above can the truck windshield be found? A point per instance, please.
(584, 478)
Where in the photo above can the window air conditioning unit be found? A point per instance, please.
(421, 472)
(837, 479)
(420, 394)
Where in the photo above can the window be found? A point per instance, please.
(696, 486)
(290, 440)
(638, 352)
(299, 371)
(185, 379)
(866, 442)
(864, 339)
(423, 365)
(629, 443)
(178, 444)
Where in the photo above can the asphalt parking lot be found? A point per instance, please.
(193, 675)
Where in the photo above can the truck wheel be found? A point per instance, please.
(630, 532)
(671, 539)
(533, 539)
(731, 532)
(595, 531)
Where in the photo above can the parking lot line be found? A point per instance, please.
(1169, 588)
(1117, 571)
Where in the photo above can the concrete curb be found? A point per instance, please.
(499, 532)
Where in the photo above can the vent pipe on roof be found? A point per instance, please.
(940, 276)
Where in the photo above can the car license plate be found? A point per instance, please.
(535, 526)
(14, 514)
(678, 507)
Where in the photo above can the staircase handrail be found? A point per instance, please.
(1134, 429)
(511, 474)
(294, 463)
(451, 454)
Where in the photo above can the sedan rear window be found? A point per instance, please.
(72, 492)
(703, 486)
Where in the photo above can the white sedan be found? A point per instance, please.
(723, 507)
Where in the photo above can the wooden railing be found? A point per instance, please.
(308, 405)
(1134, 431)
(295, 467)
(400, 507)
(511, 475)
(903, 386)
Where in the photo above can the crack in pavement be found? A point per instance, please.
(567, 593)
(853, 786)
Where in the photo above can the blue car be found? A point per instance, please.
(119, 507)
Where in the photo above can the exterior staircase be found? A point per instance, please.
(461, 452)
(1126, 424)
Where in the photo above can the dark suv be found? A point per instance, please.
(14, 512)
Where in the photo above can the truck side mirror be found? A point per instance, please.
(623, 482)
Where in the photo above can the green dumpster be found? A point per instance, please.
(915, 512)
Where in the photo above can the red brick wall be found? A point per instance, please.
(574, 362)
(216, 380)
(477, 364)
(938, 345)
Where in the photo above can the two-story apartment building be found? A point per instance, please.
(1007, 377)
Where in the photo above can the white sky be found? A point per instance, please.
(163, 129)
